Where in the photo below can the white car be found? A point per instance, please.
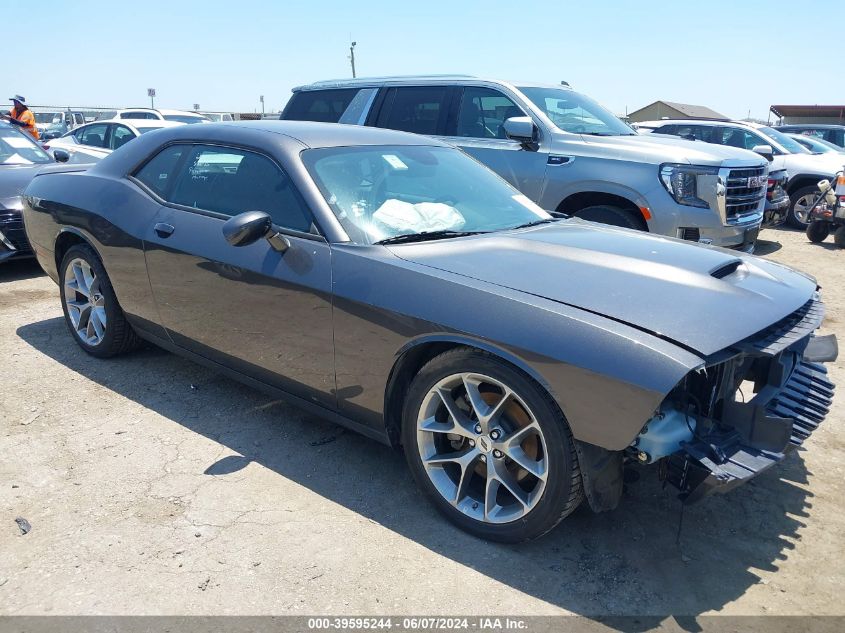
(804, 168)
(179, 116)
(218, 116)
(94, 141)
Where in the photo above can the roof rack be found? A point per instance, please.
(330, 82)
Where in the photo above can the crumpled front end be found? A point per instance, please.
(741, 413)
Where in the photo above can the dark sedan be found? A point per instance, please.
(393, 284)
(20, 159)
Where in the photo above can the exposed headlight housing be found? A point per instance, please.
(681, 181)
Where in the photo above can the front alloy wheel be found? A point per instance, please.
(490, 447)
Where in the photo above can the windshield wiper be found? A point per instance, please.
(535, 223)
(426, 236)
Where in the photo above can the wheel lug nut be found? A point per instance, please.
(471, 443)
(497, 454)
(495, 434)
(478, 428)
(484, 458)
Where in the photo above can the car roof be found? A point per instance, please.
(144, 123)
(187, 112)
(364, 82)
(750, 124)
(315, 135)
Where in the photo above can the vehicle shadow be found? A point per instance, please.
(19, 269)
(625, 562)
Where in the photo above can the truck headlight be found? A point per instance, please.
(681, 181)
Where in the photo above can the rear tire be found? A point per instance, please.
(803, 198)
(818, 231)
(614, 216)
(839, 237)
(92, 313)
(509, 477)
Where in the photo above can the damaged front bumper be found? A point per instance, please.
(748, 408)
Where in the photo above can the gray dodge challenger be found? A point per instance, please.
(389, 282)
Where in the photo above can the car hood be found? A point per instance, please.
(821, 164)
(703, 298)
(662, 148)
(13, 181)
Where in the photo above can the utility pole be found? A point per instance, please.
(261, 99)
(352, 58)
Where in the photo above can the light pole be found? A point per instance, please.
(352, 57)
(261, 99)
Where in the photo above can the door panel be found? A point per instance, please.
(261, 312)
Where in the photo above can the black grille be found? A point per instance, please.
(793, 327)
(740, 198)
(693, 234)
(805, 398)
(11, 225)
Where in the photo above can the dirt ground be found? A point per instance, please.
(154, 486)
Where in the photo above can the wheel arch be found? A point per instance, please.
(583, 199)
(416, 353)
(800, 181)
(67, 238)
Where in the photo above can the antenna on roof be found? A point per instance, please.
(564, 83)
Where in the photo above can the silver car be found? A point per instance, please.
(564, 151)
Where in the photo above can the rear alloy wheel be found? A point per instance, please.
(614, 216)
(92, 313)
(800, 206)
(818, 231)
(489, 447)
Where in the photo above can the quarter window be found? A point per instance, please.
(483, 113)
(231, 181)
(421, 110)
(324, 106)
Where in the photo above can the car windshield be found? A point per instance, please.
(576, 113)
(381, 192)
(16, 148)
(789, 144)
(184, 118)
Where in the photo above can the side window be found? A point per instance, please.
(231, 181)
(324, 106)
(738, 137)
(356, 107)
(483, 112)
(667, 129)
(120, 136)
(157, 173)
(93, 135)
(421, 110)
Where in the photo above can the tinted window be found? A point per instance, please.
(232, 181)
(705, 133)
(93, 135)
(325, 106)
(120, 136)
(421, 110)
(184, 118)
(157, 173)
(137, 115)
(483, 112)
(737, 137)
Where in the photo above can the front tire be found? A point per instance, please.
(801, 205)
(92, 313)
(489, 447)
(818, 231)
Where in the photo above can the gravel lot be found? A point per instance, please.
(154, 486)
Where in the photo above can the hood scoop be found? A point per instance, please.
(726, 269)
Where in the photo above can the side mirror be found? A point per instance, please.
(765, 151)
(61, 155)
(249, 227)
(520, 128)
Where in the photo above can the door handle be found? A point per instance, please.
(557, 160)
(164, 230)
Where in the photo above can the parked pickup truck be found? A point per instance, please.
(563, 150)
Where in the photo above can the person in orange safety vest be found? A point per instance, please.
(21, 116)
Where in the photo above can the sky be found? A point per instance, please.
(736, 57)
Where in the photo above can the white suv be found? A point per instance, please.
(179, 116)
(804, 169)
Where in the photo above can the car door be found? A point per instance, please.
(477, 127)
(91, 143)
(264, 313)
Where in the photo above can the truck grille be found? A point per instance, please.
(740, 198)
